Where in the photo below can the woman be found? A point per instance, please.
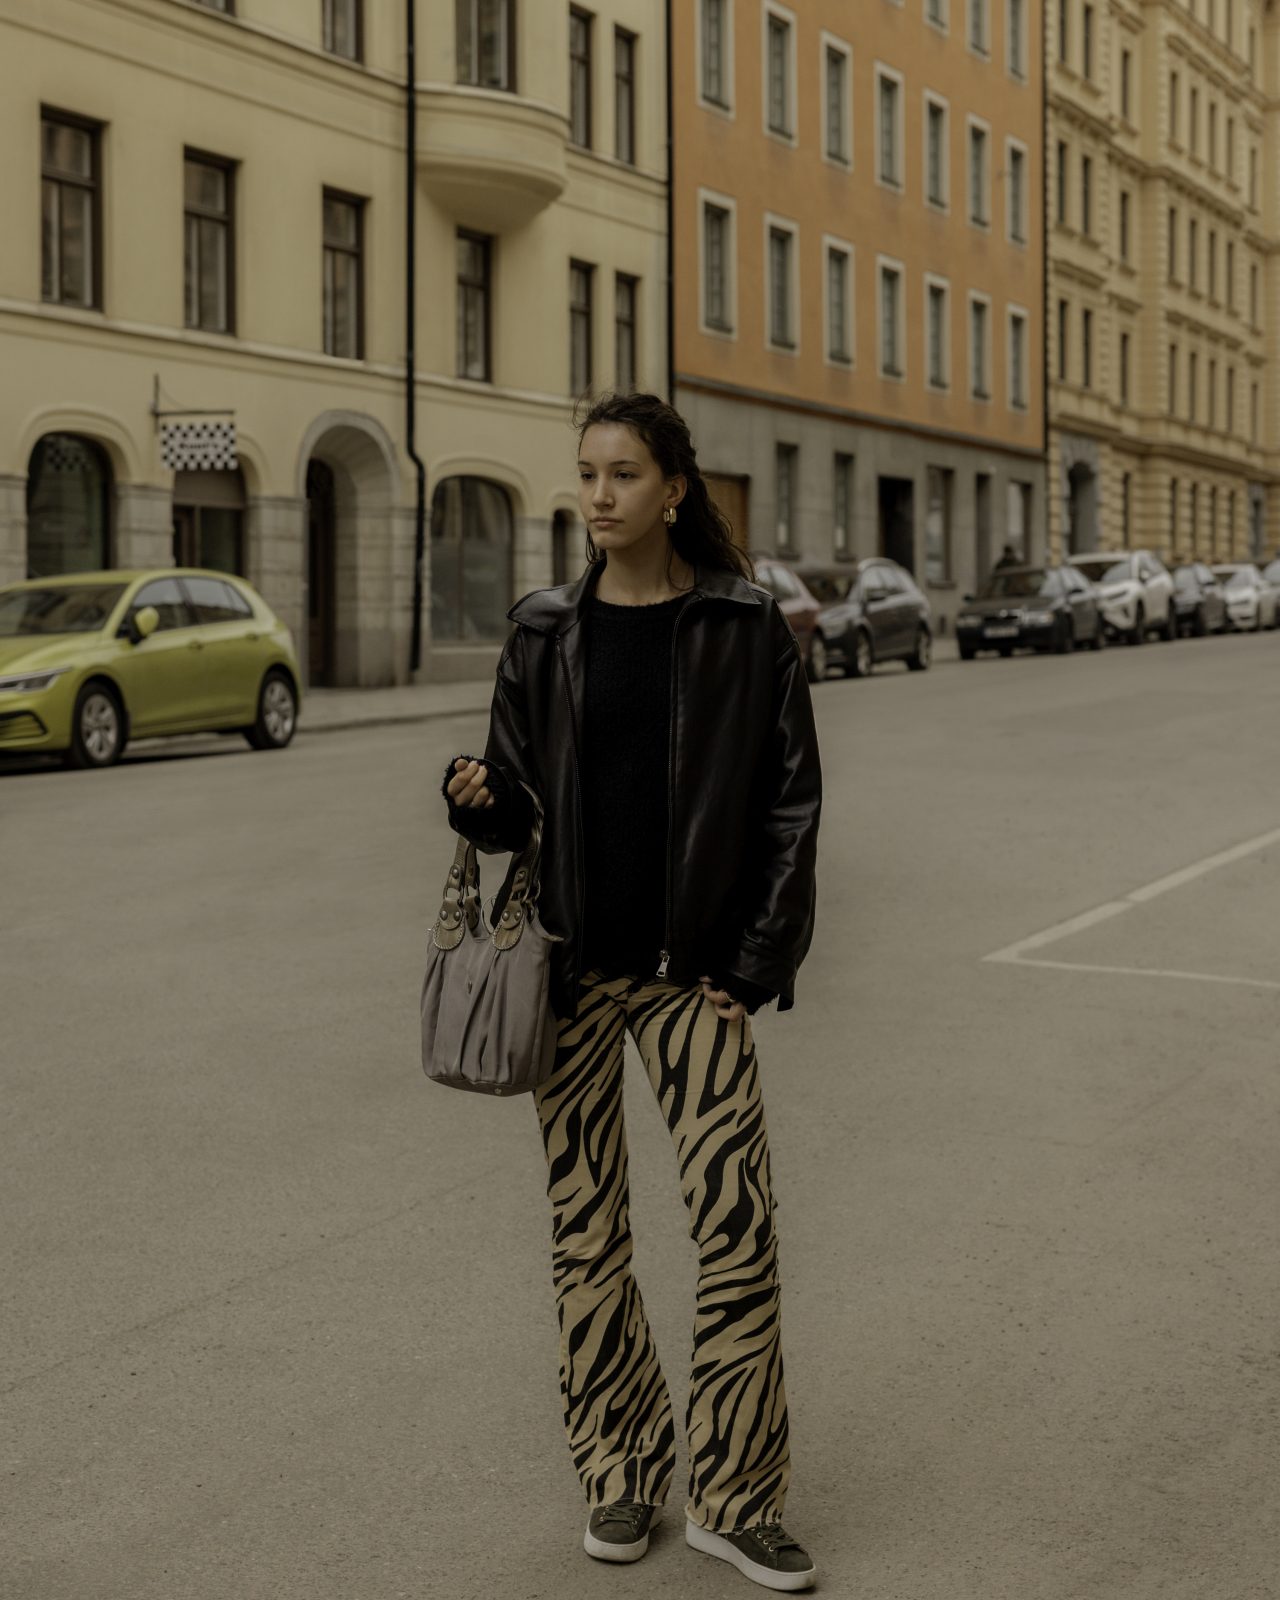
(659, 708)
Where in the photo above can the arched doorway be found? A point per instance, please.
(472, 530)
(1082, 509)
(208, 520)
(322, 574)
(68, 506)
(563, 533)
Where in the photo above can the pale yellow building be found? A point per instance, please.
(860, 276)
(1163, 228)
(205, 233)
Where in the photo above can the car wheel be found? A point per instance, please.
(967, 652)
(1006, 650)
(1138, 633)
(277, 719)
(1170, 630)
(919, 659)
(1099, 640)
(98, 734)
(1063, 637)
(1201, 624)
(816, 665)
(863, 658)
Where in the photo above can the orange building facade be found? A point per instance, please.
(859, 271)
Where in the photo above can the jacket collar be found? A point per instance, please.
(557, 610)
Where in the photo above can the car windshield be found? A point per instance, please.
(1186, 578)
(1106, 569)
(61, 608)
(1272, 572)
(1241, 578)
(1018, 582)
(828, 587)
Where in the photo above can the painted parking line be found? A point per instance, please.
(1018, 953)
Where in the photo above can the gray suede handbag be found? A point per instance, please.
(487, 1022)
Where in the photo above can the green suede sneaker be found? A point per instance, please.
(767, 1554)
(619, 1532)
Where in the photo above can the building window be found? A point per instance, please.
(937, 525)
(226, 7)
(1193, 376)
(71, 210)
(714, 52)
(625, 297)
(891, 341)
(1173, 243)
(1061, 209)
(1126, 509)
(1253, 177)
(624, 96)
(1211, 243)
(1086, 348)
(1017, 191)
(979, 26)
(1064, 321)
(935, 176)
(474, 274)
(1193, 253)
(1173, 106)
(889, 102)
(1018, 360)
(1173, 380)
(979, 176)
(836, 87)
(341, 28)
(785, 477)
(1230, 274)
(778, 80)
(485, 37)
(842, 505)
(471, 549)
(935, 11)
(1017, 38)
(979, 348)
(1064, 30)
(581, 329)
(781, 286)
(1124, 224)
(68, 506)
(580, 78)
(938, 334)
(1231, 400)
(1124, 369)
(1086, 42)
(1253, 293)
(1253, 413)
(1213, 133)
(208, 256)
(716, 258)
(1126, 85)
(1086, 195)
(1231, 150)
(1193, 120)
(1173, 516)
(343, 275)
(839, 305)
(1213, 393)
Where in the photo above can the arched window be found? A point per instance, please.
(471, 538)
(68, 506)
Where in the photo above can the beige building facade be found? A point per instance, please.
(1163, 230)
(860, 276)
(206, 249)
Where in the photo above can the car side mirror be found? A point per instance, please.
(145, 623)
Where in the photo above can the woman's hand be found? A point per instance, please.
(468, 786)
(725, 1005)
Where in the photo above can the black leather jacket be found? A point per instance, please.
(745, 780)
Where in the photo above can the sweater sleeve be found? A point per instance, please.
(752, 995)
(505, 824)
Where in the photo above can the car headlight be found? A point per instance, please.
(968, 619)
(29, 682)
(1039, 619)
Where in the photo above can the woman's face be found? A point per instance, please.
(621, 490)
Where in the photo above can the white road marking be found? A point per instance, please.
(1015, 954)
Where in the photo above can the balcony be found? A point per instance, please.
(491, 160)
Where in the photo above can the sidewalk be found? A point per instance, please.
(332, 710)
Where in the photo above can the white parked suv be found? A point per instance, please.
(1135, 592)
(1251, 600)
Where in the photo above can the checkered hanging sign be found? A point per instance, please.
(199, 446)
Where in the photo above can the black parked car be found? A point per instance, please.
(872, 611)
(1045, 608)
(1198, 599)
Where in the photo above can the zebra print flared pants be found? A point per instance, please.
(617, 1408)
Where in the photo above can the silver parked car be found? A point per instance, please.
(1251, 600)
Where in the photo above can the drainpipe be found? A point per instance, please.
(1044, 268)
(411, 328)
(671, 214)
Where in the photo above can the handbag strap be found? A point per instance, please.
(461, 903)
(460, 906)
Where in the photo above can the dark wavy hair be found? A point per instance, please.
(702, 534)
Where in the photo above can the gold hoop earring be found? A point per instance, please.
(669, 516)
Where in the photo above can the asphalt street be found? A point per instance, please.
(277, 1313)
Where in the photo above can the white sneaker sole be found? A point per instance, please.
(604, 1551)
(713, 1545)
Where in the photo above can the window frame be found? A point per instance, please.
(1017, 227)
(980, 298)
(774, 223)
(832, 245)
(588, 269)
(882, 74)
(936, 282)
(1017, 316)
(95, 187)
(724, 107)
(358, 204)
(886, 266)
(775, 11)
(625, 37)
(473, 236)
(729, 206)
(510, 85)
(932, 100)
(326, 30)
(831, 44)
(1016, 44)
(978, 9)
(631, 282)
(978, 125)
(230, 171)
(582, 97)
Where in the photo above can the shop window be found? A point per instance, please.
(68, 506)
(471, 546)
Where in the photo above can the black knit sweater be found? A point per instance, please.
(625, 765)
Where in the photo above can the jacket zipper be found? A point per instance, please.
(664, 955)
(577, 785)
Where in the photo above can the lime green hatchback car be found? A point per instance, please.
(94, 659)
